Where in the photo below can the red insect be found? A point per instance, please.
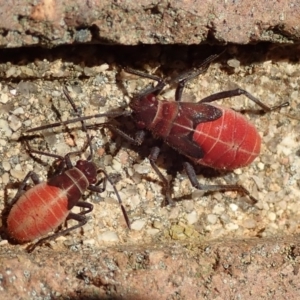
(41, 209)
(208, 134)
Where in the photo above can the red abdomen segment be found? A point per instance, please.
(229, 142)
(37, 212)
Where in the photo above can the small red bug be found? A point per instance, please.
(41, 209)
(206, 133)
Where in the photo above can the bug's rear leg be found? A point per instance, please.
(34, 177)
(215, 188)
(80, 218)
(152, 158)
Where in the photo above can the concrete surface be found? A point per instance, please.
(244, 269)
(50, 23)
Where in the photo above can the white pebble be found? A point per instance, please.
(5, 178)
(108, 236)
(272, 216)
(3, 98)
(212, 219)
(18, 174)
(233, 206)
(218, 209)
(18, 111)
(261, 165)
(138, 224)
(12, 71)
(232, 226)
(192, 217)
(4, 127)
(249, 223)
(103, 68)
(141, 169)
(90, 242)
(152, 231)
(234, 63)
(13, 92)
(117, 166)
(6, 165)
(287, 145)
(14, 123)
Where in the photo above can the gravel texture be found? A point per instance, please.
(31, 83)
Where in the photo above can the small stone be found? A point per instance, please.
(138, 224)
(212, 219)
(5, 178)
(108, 236)
(14, 123)
(18, 111)
(11, 72)
(18, 174)
(232, 226)
(90, 242)
(141, 169)
(6, 165)
(4, 98)
(233, 206)
(271, 216)
(249, 223)
(192, 218)
(4, 127)
(156, 224)
(234, 63)
(218, 209)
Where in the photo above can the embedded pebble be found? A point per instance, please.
(174, 213)
(234, 63)
(4, 127)
(18, 174)
(152, 231)
(103, 67)
(287, 144)
(218, 209)
(90, 242)
(5, 178)
(14, 123)
(138, 224)
(142, 169)
(4, 98)
(12, 72)
(192, 217)
(18, 111)
(212, 219)
(117, 166)
(108, 236)
(249, 223)
(6, 165)
(233, 206)
(156, 224)
(272, 216)
(232, 226)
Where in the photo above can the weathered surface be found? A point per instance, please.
(170, 252)
(50, 23)
(249, 269)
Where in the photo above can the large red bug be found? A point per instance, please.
(44, 207)
(208, 134)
